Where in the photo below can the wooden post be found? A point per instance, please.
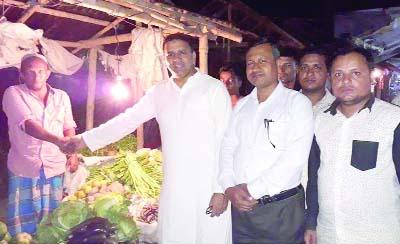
(228, 48)
(138, 93)
(91, 88)
(203, 54)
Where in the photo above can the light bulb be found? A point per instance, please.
(119, 91)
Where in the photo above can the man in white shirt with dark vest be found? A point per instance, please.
(263, 153)
(353, 193)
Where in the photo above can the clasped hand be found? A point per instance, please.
(71, 145)
(240, 197)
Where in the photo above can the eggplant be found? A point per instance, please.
(92, 227)
(92, 221)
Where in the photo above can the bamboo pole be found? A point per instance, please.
(82, 18)
(56, 13)
(91, 89)
(101, 32)
(152, 14)
(116, 10)
(218, 26)
(228, 47)
(28, 14)
(97, 42)
(203, 54)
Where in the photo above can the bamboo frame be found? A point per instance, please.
(91, 89)
(101, 32)
(53, 12)
(203, 54)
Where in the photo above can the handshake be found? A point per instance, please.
(70, 145)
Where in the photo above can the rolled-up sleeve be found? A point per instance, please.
(16, 108)
(69, 122)
(314, 162)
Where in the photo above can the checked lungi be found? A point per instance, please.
(29, 200)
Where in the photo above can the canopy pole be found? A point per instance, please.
(91, 88)
(203, 54)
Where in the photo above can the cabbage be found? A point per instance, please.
(105, 204)
(49, 234)
(114, 207)
(70, 214)
(126, 226)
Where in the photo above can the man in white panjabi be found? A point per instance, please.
(192, 110)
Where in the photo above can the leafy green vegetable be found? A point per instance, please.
(50, 235)
(126, 226)
(104, 204)
(128, 143)
(69, 214)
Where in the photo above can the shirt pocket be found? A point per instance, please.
(364, 154)
(277, 133)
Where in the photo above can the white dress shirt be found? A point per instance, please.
(267, 144)
(324, 103)
(321, 106)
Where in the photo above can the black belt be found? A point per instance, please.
(280, 196)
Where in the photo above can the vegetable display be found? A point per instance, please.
(141, 171)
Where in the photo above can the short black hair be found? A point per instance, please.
(227, 68)
(178, 36)
(265, 40)
(353, 49)
(290, 52)
(318, 50)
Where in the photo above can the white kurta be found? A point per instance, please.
(192, 122)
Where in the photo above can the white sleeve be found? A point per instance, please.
(222, 109)
(123, 124)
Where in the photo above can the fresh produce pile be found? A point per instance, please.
(72, 220)
(93, 231)
(140, 171)
(5, 236)
(20, 238)
(95, 189)
(125, 144)
(143, 209)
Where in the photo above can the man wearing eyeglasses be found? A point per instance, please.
(263, 153)
(231, 81)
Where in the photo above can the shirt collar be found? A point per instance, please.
(275, 93)
(49, 88)
(333, 108)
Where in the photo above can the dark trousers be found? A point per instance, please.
(280, 222)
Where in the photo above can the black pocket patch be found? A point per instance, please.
(364, 154)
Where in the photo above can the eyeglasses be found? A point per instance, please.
(266, 125)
